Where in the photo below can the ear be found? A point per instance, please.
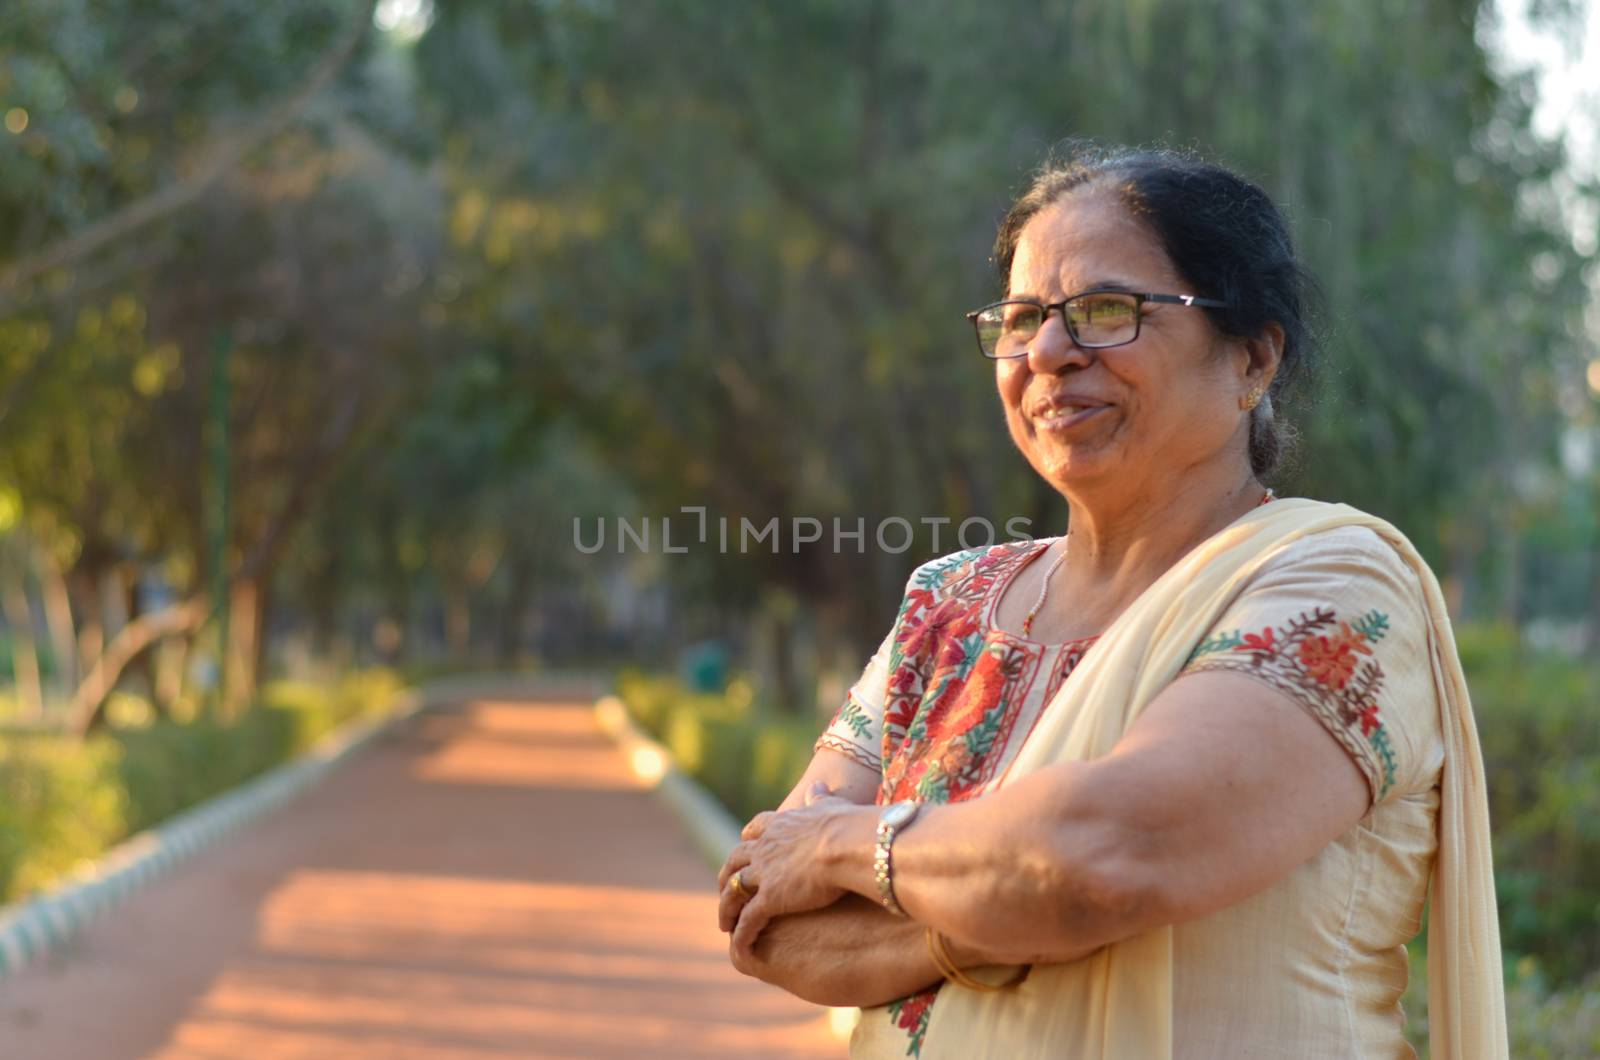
(1263, 354)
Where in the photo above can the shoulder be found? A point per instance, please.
(1337, 620)
(1349, 583)
(1345, 556)
(1335, 532)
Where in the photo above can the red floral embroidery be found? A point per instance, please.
(911, 1014)
(1262, 641)
(938, 648)
(1369, 719)
(971, 699)
(1332, 660)
(1324, 662)
(956, 688)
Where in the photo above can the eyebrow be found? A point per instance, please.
(1097, 285)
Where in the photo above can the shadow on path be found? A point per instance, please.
(488, 881)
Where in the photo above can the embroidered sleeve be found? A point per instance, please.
(856, 731)
(892, 682)
(1335, 623)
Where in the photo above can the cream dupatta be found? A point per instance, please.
(1117, 1003)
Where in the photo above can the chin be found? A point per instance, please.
(1074, 458)
(1064, 466)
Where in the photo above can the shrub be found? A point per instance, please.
(1541, 752)
(60, 806)
(745, 755)
(65, 801)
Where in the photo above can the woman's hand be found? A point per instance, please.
(781, 868)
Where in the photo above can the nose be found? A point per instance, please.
(1052, 348)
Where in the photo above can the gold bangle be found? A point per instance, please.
(940, 960)
(947, 967)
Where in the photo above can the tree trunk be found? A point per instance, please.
(85, 584)
(457, 620)
(785, 681)
(514, 609)
(172, 658)
(86, 710)
(24, 650)
(263, 624)
(323, 599)
(243, 632)
(141, 667)
(58, 620)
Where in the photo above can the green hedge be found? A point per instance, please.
(60, 805)
(1537, 724)
(64, 801)
(1542, 1024)
(747, 756)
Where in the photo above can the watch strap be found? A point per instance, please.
(890, 824)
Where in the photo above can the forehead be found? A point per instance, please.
(1087, 239)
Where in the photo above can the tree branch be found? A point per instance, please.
(130, 642)
(216, 162)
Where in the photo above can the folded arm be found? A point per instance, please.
(852, 952)
(1220, 788)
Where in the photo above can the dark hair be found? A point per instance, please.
(1223, 234)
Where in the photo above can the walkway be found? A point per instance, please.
(486, 882)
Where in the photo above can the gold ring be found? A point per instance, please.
(736, 884)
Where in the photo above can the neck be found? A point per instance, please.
(1122, 542)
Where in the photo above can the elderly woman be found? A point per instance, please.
(1171, 784)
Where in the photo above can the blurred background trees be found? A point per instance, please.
(428, 291)
(348, 323)
(329, 327)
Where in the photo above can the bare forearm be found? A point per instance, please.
(851, 953)
(1012, 877)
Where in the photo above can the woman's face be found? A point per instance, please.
(1134, 415)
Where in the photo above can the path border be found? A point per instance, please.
(713, 830)
(710, 826)
(31, 929)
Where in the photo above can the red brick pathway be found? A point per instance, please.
(485, 882)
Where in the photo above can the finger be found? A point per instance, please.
(736, 959)
(752, 921)
(729, 905)
(738, 858)
(819, 790)
(757, 825)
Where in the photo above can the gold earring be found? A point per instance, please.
(1252, 399)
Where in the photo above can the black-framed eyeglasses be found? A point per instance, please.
(1094, 319)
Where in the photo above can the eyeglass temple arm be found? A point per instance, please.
(1186, 299)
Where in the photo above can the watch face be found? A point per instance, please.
(899, 814)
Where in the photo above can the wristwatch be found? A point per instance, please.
(890, 823)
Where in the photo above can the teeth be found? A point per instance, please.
(1059, 414)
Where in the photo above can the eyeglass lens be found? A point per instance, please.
(1105, 319)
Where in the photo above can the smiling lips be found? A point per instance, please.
(1059, 413)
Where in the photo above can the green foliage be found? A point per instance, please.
(1542, 1024)
(60, 805)
(1563, 1025)
(748, 756)
(313, 711)
(1536, 724)
(63, 802)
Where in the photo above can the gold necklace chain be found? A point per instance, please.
(1044, 587)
